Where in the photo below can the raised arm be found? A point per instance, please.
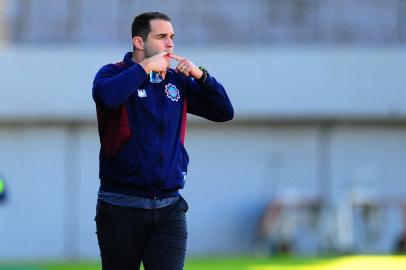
(112, 85)
(205, 96)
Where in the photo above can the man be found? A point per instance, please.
(143, 163)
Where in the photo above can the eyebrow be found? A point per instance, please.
(163, 34)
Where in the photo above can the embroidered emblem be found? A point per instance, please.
(172, 92)
(142, 93)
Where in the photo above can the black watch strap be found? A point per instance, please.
(204, 75)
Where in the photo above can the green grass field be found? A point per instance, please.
(285, 263)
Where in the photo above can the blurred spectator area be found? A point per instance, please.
(214, 22)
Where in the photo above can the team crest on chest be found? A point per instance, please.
(172, 92)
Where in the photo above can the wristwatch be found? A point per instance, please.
(204, 75)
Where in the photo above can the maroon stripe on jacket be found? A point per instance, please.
(114, 127)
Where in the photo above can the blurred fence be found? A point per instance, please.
(198, 22)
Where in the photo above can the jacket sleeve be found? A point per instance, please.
(112, 86)
(208, 99)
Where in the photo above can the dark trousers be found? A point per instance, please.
(128, 236)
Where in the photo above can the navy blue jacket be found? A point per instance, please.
(142, 126)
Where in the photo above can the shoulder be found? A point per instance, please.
(116, 66)
(111, 69)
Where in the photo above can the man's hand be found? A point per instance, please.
(157, 63)
(187, 67)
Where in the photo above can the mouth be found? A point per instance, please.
(168, 57)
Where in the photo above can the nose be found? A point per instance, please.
(169, 43)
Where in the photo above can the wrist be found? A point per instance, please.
(203, 76)
(199, 74)
(145, 65)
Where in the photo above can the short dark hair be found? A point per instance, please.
(141, 24)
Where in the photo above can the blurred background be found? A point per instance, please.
(314, 162)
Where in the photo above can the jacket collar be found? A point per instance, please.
(127, 59)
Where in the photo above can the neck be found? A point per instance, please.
(137, 56)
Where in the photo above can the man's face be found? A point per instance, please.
(160, 38)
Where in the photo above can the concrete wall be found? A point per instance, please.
(306, 83)
(308, 127)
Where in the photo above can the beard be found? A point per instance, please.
(149, 52)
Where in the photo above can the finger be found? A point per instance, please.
(163, 53)
(182, 69)
(182, 66)
(176, 57)
(186, 70)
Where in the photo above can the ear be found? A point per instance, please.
(138, 43)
